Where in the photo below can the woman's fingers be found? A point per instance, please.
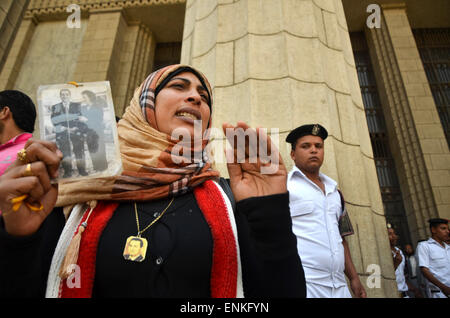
(48, 153)
(37, 175)
(44, 151)
(34, 173)
(253, 149)
(26, 192)
(262, 171)
(243, 141)
(26, 217)
(48, 144)
(14, 192)
(250, 145)
(24, 201)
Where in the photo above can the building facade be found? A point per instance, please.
(377, 76)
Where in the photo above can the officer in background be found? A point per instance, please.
(412, 272)
(434, 259)
(399, 263)
(319, 219)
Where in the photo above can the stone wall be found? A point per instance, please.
(11, 13)
(280, 64)
(419, 145)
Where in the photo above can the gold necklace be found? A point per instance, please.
(136, 246)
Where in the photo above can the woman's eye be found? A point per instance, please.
(177, 85)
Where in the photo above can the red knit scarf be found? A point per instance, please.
(224, 264)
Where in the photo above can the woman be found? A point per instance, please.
(93, 112)
(195, 244)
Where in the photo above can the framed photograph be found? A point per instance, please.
(81, 120)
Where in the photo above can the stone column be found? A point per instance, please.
(16, 55)
(11, 13)
(116, 50)
(418, 143)
(140, 52)
(97, 60)
(280, 64)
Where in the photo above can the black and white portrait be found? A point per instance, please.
(81, 120)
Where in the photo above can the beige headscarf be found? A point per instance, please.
(149, 171)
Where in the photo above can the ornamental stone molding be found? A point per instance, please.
(57, 8)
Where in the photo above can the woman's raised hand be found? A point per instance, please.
(26, 193)
(254, 163)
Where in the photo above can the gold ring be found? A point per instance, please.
(22, 155)
(28, 171)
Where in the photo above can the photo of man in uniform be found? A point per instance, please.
(69, 130)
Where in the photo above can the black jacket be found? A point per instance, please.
(179, 254)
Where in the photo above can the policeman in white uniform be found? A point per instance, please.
(399, 263)
(319, 219)
(434, 259)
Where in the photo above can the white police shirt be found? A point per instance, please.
(436, 258)
(400, 272)
(315, 216)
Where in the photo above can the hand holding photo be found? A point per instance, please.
(81, 120)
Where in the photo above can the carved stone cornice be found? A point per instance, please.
(55, 9)
(395, 5)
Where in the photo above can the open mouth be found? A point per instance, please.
(187, 115)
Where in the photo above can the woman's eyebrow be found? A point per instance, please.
(180, 78)
(188, 82)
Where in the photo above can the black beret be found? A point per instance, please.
(437, 221)
(305, 130)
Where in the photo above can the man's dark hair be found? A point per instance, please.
(22, 108)
(293, 145)
(436, 222)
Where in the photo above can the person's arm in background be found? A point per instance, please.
(432, 279)
(352, 274)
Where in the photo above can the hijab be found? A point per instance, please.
(151, 170)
